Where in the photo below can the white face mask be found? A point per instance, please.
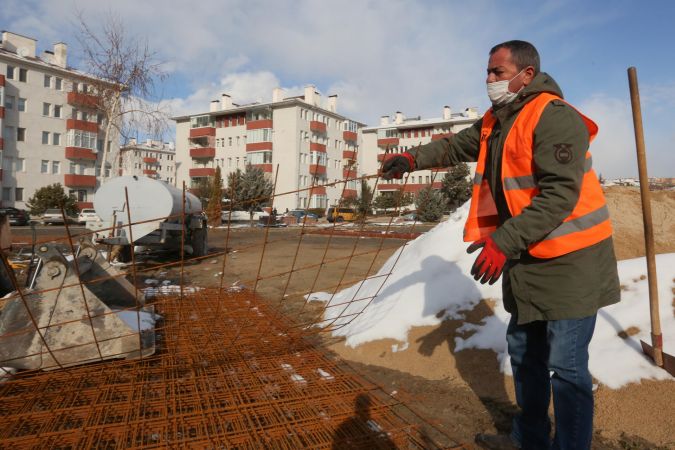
(499, 93)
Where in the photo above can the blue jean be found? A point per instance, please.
(552, 356)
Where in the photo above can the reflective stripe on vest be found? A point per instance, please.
(586, 225)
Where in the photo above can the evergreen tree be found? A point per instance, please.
(51, 197)
(362, 203)
(392, 200)
(249, 190)
(214, 208)
(456, 186)
(430, 205)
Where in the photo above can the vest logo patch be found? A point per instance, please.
(563, 153)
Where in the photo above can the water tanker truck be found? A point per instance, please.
(156, 211)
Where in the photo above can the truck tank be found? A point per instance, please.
(150, 201)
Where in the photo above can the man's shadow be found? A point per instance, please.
(361, 431)
(478, 368)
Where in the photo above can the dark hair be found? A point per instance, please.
(523, 54)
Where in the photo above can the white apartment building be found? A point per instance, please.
(401, 134)
(313, 146)
(153, 159)
(51, 130)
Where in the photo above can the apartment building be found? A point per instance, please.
(313, 146)
(153, 159)
(400, 134)
(51, 129)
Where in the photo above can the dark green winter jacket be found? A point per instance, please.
(571, 286)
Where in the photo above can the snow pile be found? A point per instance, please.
(430, 282)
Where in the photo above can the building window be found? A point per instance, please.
(20, 134)
(10, 72)
(73, 167)
(56, 139)
(45, 138)
(18, 194)
(79, 195)
(57, 111)
(58, 83)
(44, 166)
(56, 167)
(21, 105)
(20, 165)
(6, 194)
(48, 81)
(9, 101)
(23, 75)
(46, 107)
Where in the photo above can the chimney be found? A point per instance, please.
(132, 141)
(447, 112)
(149, 143)
(311, 95)
(61, 54)
(21, 45)
(214, 105)
(225, 101)
(399, 117)
(471, 113)
(332, 103)
(384, 120)
(277, 94)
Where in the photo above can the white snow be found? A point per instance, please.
(430, 281)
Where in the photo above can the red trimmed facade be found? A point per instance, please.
(348, 154)
(80, 99)
(349, 136)
(388, 142)
(317, 127)
(82, 205)
(318, 190)
(316, 147)
(258, 124)
(349, 193)
(203, 152)
(73, 180)
(267, 168)
(200, 132)
(317, 169)
(149, 160)
(80, 153)
(202, 172)
(258, 146)
(74, 124)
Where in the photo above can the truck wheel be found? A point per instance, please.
(199, 247)
(124, 255)
(340, 219)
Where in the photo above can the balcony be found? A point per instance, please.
(349, 154)
(317, 169)
(258, 146)
(202, 172)
(316, 147)
(437, 136)
(80, 153)
(349, 136)
(2, 112)
(389, 187)
(317, 127)
(80, 99)
(267, 168)
(258, 124)
(150, 172)
(348, 173)
(318, 190)
(349, 193)
(2, 143)
(82, 205)
(74, 124)
(387, 142)
(150, 160)
(201, 132)
(202, 152)
(2, 80)
(72, 180)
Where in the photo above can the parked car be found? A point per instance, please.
(334, 214)
(16, 216)
(413, 216)
(241, 216)
(300, 215)
(52, 217)
(87, 215)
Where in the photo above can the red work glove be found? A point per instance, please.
(489, 263)
(396, 165)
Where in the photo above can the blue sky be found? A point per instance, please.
(380, 56)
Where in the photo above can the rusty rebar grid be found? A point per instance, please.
(274, 392)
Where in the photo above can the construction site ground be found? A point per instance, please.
(462, 393)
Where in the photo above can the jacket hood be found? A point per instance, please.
(542, 82)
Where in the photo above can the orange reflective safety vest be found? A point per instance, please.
(588, 223)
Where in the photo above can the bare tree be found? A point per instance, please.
(124, 73)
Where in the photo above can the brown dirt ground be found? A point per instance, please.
(462, 393)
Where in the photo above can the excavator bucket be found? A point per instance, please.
(67, 320)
